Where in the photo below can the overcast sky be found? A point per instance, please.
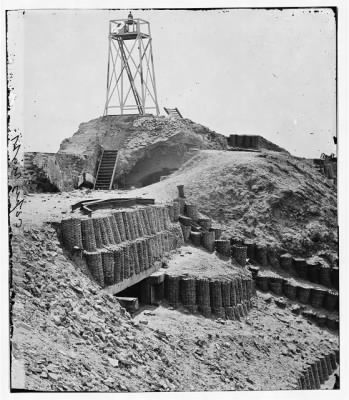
(236, 71)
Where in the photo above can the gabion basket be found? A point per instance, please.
(114, 227)
(314, 272)
(192, 211)
(208, 241)
(188, 291)
(98, 235)
(186, 232)
(108, 228)
(251, 249)
(226, 293)
(216, 294)
(195, 238)
(108, 267)
(286, 262)
(88, 235)
(317, 297)
(71, 231)
(240, 254)
(331, 300)
(290, 290)
(172, 289)
(301, 267)
(223, 247)
(218, 312)
(325, 276)
(126, 225)
(120, 224)
(118, 265)
(176, 212)
(94, 263)
(303, 294)
(203, 292)
(261, 255)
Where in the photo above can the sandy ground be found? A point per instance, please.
(194, 261)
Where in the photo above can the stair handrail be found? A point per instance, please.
(99, 165)
(114, 170)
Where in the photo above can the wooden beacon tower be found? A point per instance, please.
(131, 85)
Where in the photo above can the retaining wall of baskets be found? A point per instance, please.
(124, 243)
(318, 370)
(228, 299)
(303, 268)
(317, 298)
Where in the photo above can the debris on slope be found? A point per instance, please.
(69, 336)
(277, 199)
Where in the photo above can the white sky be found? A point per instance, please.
(238, 71)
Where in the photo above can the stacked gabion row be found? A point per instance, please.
(319, 298)
(306, 269)
(230, 299)
(71, 233)
(97, 233)
(316, 372)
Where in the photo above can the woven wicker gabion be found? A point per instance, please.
(131, 225)
(104, 232)
(120, 224)
(135, 224)
(118, 265)
(108, 267)
(205, 311)
(139, 254)
(262, 283)
(203, 292)
(134, 256)
(176, 212)
(303, 294)
(223, 247)
(195, 238)
(317, 297)
(286, 262)
(109, 230)
(94, 263)
(126, 251)
(314, 272)
(138, 221)
(126, 225)
(186, 232)
(181, 191)
(192, 211)
(98, 236)
(331, 300)
(226, 293)
(147, 221)
(88, 235)
(261, 255)
(208, 241)
(239, 290)
(115, 230)
(71, 232)
(145, 256)
(188, 291)
(325, 276)
(290, 290)
(275, 285)
(132, 259)
(172, 289)
(233, 298)
(218, 312)
(335, 277)
(216, 294)
(240, 254)
(300, 267)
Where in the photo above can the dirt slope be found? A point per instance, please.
(272, 197)
(69, 336)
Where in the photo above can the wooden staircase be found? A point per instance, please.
(106, 170)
